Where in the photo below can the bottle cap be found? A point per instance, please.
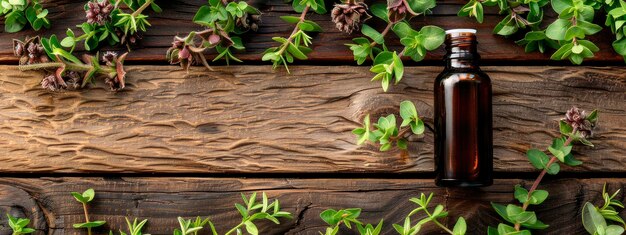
(451, 31)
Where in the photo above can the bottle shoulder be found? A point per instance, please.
(471, 73)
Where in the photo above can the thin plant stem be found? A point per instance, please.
(143, 7)
(86, 218)
(532, 189)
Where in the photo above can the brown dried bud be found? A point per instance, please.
(349, 17)
(51, 82)
(98, 12)
(249, 21)
(30, 51)
(578, 119)
(109, 58)
(118, 82)
(73, 80)
(398, 10)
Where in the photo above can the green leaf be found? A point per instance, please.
(421, 6)
(433, 37)
(91, 224)
(251, 228)
(460, 227)
(402, 29)
(373, 34)
(380, 10)
(521, 194)
(538, 196)
(537, 158)
(290, 19)
(408, 110)
(293, 50)
(557, 29)
(592, 219)
(560, 5)
(328, 216)
(398, 67)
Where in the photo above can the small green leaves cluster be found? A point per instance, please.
(460, 227)
(134, 228)
(386, 131)
(84, 198)
(387, 64)
(574, 24)
(347, 217)
(595, 218)
(188, 227)
(18, 225)
(252, 210)
(615, 20)
(18, 13)
(567, 35)
(296, 46)
(121, 28)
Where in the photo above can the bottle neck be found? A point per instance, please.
(462, 52)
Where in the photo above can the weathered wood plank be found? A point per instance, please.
(161, 200)
(249, 119)
(328, 46)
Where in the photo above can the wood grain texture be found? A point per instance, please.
(249, 119)
(162, 200)
(328, 46)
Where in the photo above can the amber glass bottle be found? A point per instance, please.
(463, 118)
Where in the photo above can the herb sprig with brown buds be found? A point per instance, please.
(108, 23)
(387, 64)
(66, 71)
(296, 46)
(222, 19)
(577, 126)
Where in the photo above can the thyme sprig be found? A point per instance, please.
(107, 22)
(575, 127)
(66, 71)
(387, 64)
(18, 225)
(296, 46)
(346, 217)
(84, 198)
(386, 131)
(223, 19)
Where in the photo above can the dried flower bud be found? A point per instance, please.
(128, 39)
(578, 119)
(398, 10)
(109, 58)
(30, 51)
(73, 80)
(349, 17)
(51, 82)
(118, 82)
(98, 12)
(249, 21)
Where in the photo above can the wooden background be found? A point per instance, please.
(177, 144)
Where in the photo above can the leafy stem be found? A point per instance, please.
(141, 8)
(535, 184)
(384, 32)
(295, 31)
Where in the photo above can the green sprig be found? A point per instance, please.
(18, 13)
(296, 46)
(18, 225)
(84, 198)
(386, 131)
(595, 218)
(387, 64)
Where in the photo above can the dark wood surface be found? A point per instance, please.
(54, 210)
(246, 128)
(248, 119)
(328, 46)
